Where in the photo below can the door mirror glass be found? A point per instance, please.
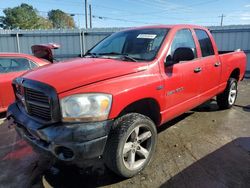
(183, 54)
(169, 61)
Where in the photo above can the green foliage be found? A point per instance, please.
(26, 17)
(44, 23)
(60, 19)
(21, 17)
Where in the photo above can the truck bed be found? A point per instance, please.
(231, 59)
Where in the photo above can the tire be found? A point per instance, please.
(125, 152)
(227, 99)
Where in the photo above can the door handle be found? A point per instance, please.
(198, 69)
(217, 64)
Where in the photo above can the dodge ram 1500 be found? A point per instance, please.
(109, 104)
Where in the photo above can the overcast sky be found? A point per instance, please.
(126, 13)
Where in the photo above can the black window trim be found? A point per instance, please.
(200, 45)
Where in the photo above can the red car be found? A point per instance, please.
(108, 105)
(13, 65)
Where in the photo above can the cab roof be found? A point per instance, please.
(177, 26)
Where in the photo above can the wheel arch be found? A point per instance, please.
(147, 106)
(235, 74)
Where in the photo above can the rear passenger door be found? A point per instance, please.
(211, 66)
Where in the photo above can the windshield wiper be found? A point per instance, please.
(122, 56)
(94, 55)
(126, 57)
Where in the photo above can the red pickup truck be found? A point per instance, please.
(108, 105)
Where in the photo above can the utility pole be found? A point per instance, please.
(221, 20)
(86, 14)
(90, 16)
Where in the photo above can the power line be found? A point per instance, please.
(171, 9)
(160, 5)
(133, 13)
(112, 8)
(119, 19)
(149, 15)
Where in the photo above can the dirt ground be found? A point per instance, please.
(205, 147)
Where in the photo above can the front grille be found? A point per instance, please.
(38, 104)
(39, 100)
(36, 96)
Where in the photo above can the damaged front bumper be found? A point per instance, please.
(69, 142)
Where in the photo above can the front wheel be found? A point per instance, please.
(130, 145)
(227, 99)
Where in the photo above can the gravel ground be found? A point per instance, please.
(205, 147)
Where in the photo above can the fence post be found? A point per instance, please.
(84, 42)
(18, 42)
(81, 46)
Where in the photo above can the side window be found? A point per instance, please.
(183, 38)
(9, 64)
(205, 43)
(4, 64)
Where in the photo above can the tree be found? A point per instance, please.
(44, 23)
(61, 19)
(26, 17)
(23, 17)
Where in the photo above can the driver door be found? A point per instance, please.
(182, 79)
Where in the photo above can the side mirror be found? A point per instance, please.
(183, 54)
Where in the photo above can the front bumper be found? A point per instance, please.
(68, 142)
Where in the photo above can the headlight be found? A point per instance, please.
(86, 107)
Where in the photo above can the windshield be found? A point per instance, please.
(132, 45)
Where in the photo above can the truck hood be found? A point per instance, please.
(75, 73)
